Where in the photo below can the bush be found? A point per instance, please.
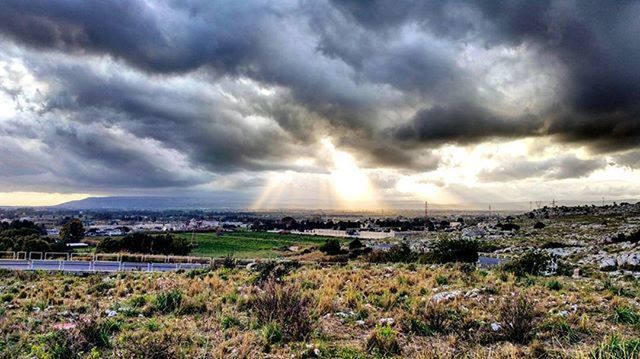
(284, 305)
(274, 270)
(533, 262)
(454, 250)
(59, 344)
(436, 318)
(383, 341)
(167, 302)
(355, 244)
(396, 254)
(93, 332)
(331, 247)
(554, 285)
(517, 316)
(229, 262)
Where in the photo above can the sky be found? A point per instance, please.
(320, 104)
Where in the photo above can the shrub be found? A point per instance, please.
(398, 253)
(435, 318)
(533, 262)
(275, 270)
(229, 262)
(554, 285)
(100, 288)
(167, 302)
(454, 250)
(383, 341)
(616, 348)
(284, 305)
(331, 247)
(93, 332)
(517, 316)
(355, 244)
(59, 344)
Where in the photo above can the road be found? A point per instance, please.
(94, 266)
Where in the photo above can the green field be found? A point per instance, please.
(245, 244)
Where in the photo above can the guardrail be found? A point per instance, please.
(108, 257)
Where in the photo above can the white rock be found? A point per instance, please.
(496, 327)
(608, 264)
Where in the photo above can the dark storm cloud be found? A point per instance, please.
(464, 123)
(388, 80)
(596, 42)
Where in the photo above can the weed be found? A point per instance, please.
(229, 321)
(383, 341)
(616, 348)
(517, 315)
(272, 333)
(285, 305)
(167, 302)
(626, 315)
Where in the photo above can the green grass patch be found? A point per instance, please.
(246, 244)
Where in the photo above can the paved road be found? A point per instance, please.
(95, 266)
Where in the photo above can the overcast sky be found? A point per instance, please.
(320, 103)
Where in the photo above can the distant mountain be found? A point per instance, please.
(155, 203)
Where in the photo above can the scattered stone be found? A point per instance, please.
(110, 313)
(608, 264)
(445, 296)
(577, 273)
(496, 327)
(387, 321)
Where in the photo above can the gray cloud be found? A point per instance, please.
(464, 123)
(563, 167)
(225, 87)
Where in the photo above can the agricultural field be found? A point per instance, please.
(245, 244)
(359, 310)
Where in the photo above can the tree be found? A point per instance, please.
(331, 247)
(72, 231)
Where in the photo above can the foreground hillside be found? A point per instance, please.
(353, 311)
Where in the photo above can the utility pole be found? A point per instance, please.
(426, 211)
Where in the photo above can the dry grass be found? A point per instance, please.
(452, 311)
